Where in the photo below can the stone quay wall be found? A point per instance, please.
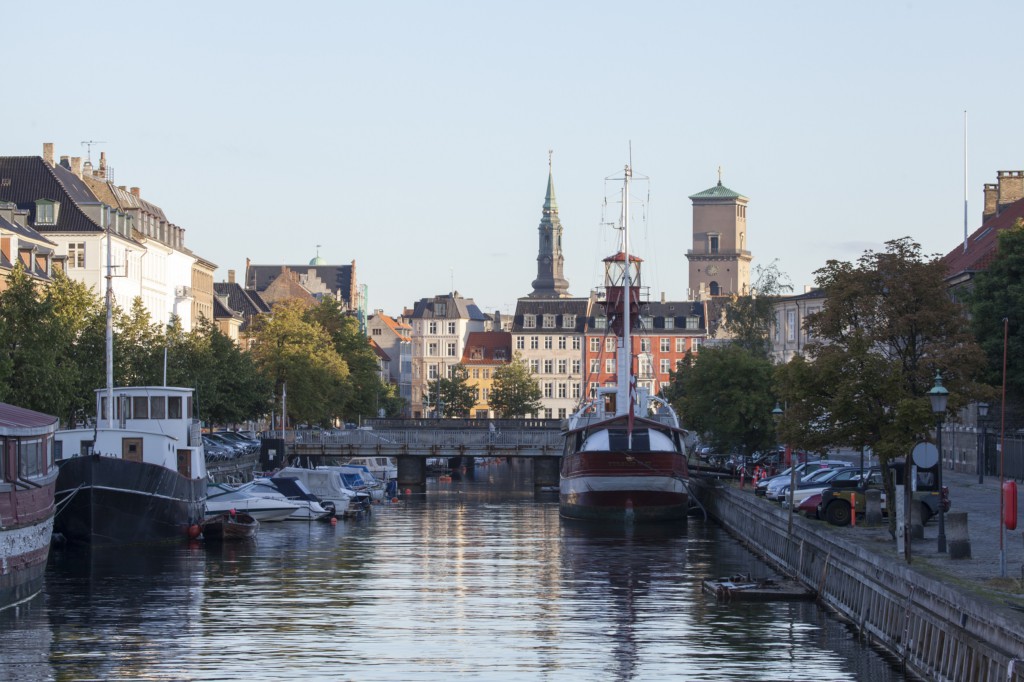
(937, 631)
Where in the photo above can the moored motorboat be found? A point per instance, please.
(308, 506)
(27, 478)
(624, 456)
(222, 498)
(230, 526)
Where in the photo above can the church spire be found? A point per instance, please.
(550, 282)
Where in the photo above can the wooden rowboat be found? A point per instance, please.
(228, 526)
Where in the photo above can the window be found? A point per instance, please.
(432, 348)
(713, 243)
(666, 345)
(76, 255)
(46, 212)
(376, 331)
(609, 366)
(433, 328)
(595, 344)
(440, 309)
(487, 394)
(576, 366)
(174, 407)
(432, 372)
(645, 345)
(670, 323)
(561, 413)
(645, 366)
(140, 407)
(778, 326)
(666, 366)
(575, 343)
(476, 373)
(31, 457)
(561, 343)
(534, 342)
(157, 405)
(549, 390)
(520, 342)
(562, 366)
(547, 413)
(609, 344)
(646, 322)
(791, 325)
(548, 343)
(575, 390)
(529, 321)
(451, 349)
(568, 321)
(692, 322)
(451, 327)
(595, 366)
(487, 374)
(549, 366)
(499, 353)
(695, 345)
(549, 321)
(535, 366)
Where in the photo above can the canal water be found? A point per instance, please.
(479, 579)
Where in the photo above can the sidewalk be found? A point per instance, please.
(980, 574)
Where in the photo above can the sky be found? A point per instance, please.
(413, 137)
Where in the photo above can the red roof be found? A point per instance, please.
(983, 244)
(482, 348)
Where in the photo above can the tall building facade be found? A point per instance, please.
(719, 259)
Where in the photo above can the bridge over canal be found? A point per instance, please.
(413, 441)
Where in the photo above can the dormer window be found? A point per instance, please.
(46, 212)
(568, 321)
(600, 322)
(670, 323)
(440, 309)
(646, 322)
(549, 321)
(476, 353)
(529, 321)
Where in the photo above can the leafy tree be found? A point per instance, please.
(886, 328)
(82, 317)
(291, 350)
(514, 392)
(365, 388)
(726, 394)
(998, 294)
(749, 318)
(138, 347)
(453, 394)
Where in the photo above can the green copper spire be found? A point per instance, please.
(550, 282)
(550, 204)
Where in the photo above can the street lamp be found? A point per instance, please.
(983, 450)
(777, 414)
(939, 395)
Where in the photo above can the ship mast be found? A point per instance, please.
(110, 336)
(625, 355)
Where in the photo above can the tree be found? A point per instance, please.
(514, 392)
(138, 347)
(726, 394)
(82, 317)
(291, 350)
(887, 326)
(453, 394)
(998, 294)
(366, 391)
(749, 318)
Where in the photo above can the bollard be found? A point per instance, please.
(872, 507)
(853, 510)
(916, 524)
(956, 533)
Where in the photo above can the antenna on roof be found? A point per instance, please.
(88, 148)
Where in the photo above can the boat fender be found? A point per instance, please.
(193, 531)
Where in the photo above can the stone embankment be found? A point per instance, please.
(946, 619)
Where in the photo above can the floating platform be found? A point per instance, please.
(745, 588)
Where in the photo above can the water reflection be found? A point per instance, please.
(480, 578)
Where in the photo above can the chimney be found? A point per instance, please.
(231, 276)
(1011, 187)
(65, 162)
(103, 165)
(76, 166)
(135, 193)
(48, 153)
(991, 201)
(663, 297)
(87, 168)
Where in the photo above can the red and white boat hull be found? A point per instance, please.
(617, 486)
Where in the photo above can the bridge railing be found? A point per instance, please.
(424, 438)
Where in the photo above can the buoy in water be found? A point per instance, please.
(394, 500)
(408, 491)
(334, 520)
(193, 531)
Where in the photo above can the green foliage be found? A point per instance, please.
(291, 350)
(452, 395)
(514, 392)
(725, 393)
(749, 318)
(365, 392)
(138, 347)
(998, 294)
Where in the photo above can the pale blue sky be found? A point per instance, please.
(413, 137)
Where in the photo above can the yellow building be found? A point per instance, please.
(484, 353)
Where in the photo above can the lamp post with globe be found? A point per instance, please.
(939, 396)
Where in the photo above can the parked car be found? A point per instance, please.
(809, 506)
(837, 504)
(778, 490)
(249, 445)
(785, 476)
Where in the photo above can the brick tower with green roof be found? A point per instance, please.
(719, 260)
